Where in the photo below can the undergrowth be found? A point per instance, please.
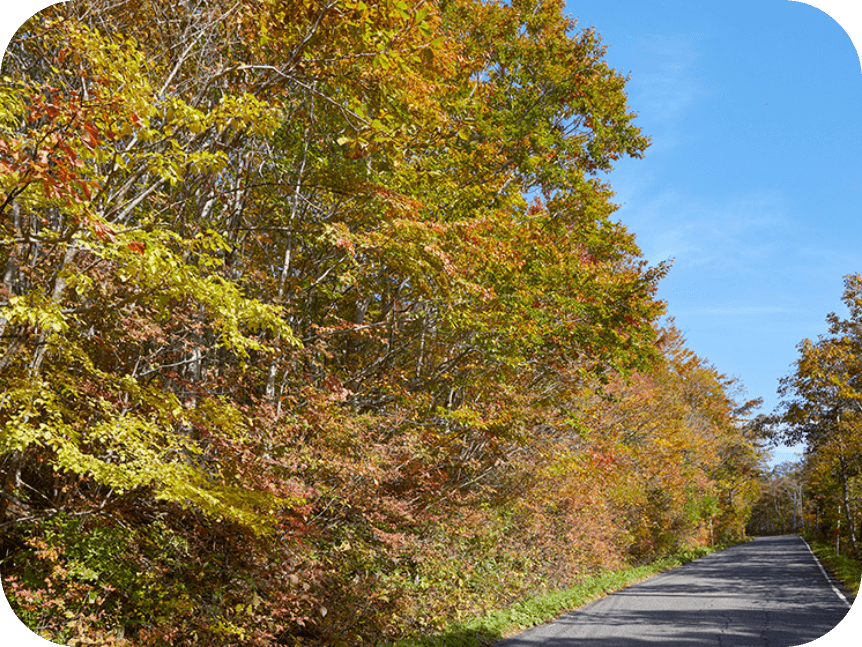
(846, 569)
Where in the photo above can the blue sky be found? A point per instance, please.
(753, 182)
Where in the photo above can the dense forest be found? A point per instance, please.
(317, 326)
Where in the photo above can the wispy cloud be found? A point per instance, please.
(738, 311)
(736, 233)
(663, 91)
(667, 90)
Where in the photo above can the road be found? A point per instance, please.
(768, 592)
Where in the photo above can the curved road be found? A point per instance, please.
(768, 592)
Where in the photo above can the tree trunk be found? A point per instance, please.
(848, 508)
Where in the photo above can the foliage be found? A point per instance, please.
(783, 506)
(316, 322)
(822, 410)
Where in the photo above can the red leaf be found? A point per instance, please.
(92, 139)
(103, 232)
(137, 247)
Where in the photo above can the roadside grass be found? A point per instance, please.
(493, 627)
(845, 569)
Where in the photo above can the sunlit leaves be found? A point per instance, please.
(825, 385)
(87, 157)
(342, 272)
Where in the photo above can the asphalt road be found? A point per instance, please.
(768, 592)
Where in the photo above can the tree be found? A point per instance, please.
(824, 400)
(106, 304)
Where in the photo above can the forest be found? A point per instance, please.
(317, 327)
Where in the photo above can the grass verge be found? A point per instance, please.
(488, 629)
(846, 570)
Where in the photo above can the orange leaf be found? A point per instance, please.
(103, 232)
(137, 247)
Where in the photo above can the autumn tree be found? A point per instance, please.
(823, 405)
(687, 452)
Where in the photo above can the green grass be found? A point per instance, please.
(495, 626)
(847, 570)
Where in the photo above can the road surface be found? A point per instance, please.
(768, 592)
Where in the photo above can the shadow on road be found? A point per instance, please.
(766, 592)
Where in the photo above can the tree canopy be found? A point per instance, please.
(823, 410)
